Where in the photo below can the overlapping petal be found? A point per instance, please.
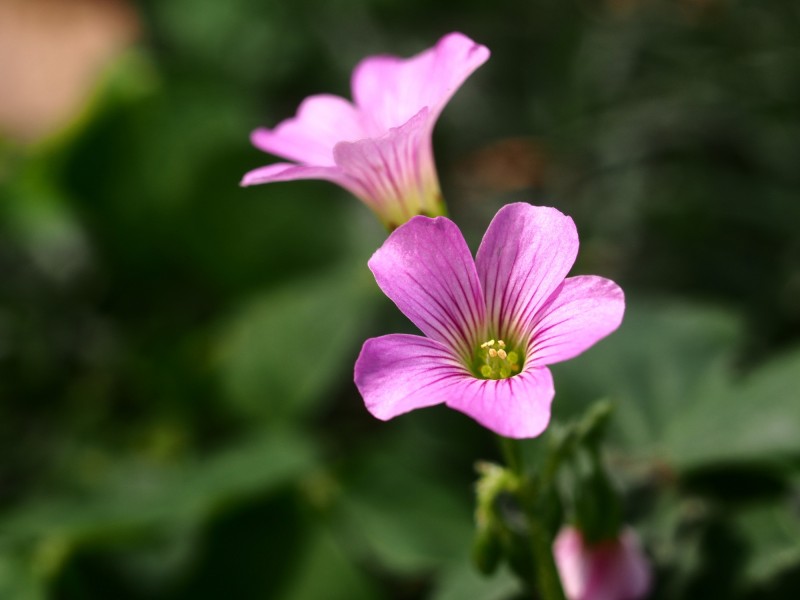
(517, 407)
(582, 311)
(525, 255)
(391, 89)
(398, 373)
(309, 137)
(291, 172)
(381, 143)
(426, 269)
(395, 171)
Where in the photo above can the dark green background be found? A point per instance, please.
(178, 418)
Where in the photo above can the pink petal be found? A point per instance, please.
(309, 137)
(572, 561)
(633, 567)
(615, 569)
(398, 373)
(517, 407)
(427, 270)
(291, 172)
(391, 89)
(582, 311)
(523, 258)
(395, 171)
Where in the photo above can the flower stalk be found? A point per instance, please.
(521, 509)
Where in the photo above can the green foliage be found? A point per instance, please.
(177, 413)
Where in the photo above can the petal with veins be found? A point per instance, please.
(426, 269)
(525, 255)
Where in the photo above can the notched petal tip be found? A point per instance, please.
(308, 137)
(457, 42)
(524, 256)
(391, 89)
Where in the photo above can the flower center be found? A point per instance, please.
(494, 360)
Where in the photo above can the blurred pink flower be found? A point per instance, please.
(610, 570)
(492, 325)
(379, 146)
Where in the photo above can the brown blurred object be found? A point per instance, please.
(508, 165)
(51, 54)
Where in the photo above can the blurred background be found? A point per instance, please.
(177, 414)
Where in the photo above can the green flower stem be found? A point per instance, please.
(546, 573)
(512, 454)
(528, 496)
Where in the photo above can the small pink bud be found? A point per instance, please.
(614, 569)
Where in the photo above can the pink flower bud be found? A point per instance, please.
(614, 569)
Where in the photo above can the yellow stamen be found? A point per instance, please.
(493, 361)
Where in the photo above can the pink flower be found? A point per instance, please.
(610, 570)
(492, 325)
(379, 147)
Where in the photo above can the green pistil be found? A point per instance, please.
(494, 360)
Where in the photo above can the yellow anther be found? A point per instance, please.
(493, 361)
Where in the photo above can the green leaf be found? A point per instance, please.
(326, 572)
(773, 532)
(286, 348)
(136, 498)
(401, 512)
(651, 369)
(670, 372)
(18, 580)
(460, 581)
(756, 418)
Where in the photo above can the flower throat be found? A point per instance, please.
(494, 360)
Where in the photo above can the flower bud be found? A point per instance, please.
(615, 569)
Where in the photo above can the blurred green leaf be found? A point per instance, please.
(284, 349)
(651, 369)
(141, 496)
(754, 418)
(251, 550)
(325, 572)
(400, 512)
(671, 372)
(17, 579)
(773, 532)
(461, 582)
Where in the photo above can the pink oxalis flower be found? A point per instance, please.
(492, 325)
(614, 569)
(379, 146)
